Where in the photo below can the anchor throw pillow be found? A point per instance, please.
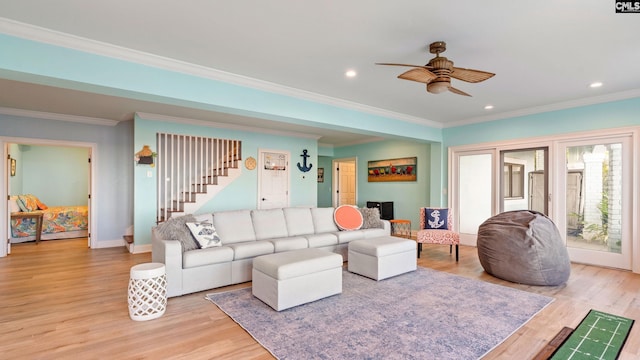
(436, 219)
(205, 234)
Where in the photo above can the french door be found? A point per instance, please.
(596, 177)
(473, 197)
(584, 182)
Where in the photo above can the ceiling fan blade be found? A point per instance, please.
(470, 75)
(459, 92)
(418, 66)
(418, 74)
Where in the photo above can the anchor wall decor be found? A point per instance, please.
(304, 167)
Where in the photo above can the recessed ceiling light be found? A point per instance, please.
(350, 73)
(596, 84)
(488, 107)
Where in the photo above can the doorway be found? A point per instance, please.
(525, 180)
(345, 182)
(27, 155)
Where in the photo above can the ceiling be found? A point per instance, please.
(545, 54)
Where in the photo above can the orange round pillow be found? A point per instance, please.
(348, 217)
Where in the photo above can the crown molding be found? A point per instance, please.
(624, 95)
(57, 117)
(52, 37)
(181, 120)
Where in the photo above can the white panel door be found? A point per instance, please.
(273, 179)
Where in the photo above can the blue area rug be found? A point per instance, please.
(425, 314)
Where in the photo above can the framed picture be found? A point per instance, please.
(402, 169)
(320, 175)
(13, 167)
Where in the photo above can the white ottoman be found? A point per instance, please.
(292, 278)
(147, 291)
(382, 257)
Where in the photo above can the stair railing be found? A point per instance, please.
(187, 165)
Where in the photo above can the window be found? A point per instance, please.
(513, 180)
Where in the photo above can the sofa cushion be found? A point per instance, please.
(374, 233)
(289, 243)
(323, 220)
(251, 249)
(269, 224)
(348, 236)
(234, 226)
(215, 255)
(320, 240)
(176, 229)
(299, 221)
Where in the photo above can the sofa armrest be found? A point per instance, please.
(168, 252)
(387, 226)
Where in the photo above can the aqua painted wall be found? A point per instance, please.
(240, 194)
(58, 176)
(325, 188)
(15, 182)
(407, 196)
(593, 117)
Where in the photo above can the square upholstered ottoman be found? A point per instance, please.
(292, 278)
(382, 257)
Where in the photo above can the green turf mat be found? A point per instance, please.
(599, 336)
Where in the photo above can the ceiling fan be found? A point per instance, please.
(437, 73)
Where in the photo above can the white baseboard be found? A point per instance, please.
(133, 248)
(139, 249)
(101, 244)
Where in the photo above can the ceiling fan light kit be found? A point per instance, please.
(437, 73)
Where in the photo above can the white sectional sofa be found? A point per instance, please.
(245, 234)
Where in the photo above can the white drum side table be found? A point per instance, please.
(147, 291)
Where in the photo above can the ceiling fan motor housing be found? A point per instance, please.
(439, 85)
(442, 69)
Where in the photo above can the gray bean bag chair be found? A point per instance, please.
(523, 247)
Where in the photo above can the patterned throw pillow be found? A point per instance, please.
(371, 218)
(27, 202)
(205, 234)
(436, 219)
(40, 204)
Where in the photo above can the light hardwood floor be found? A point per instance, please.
(60, 300)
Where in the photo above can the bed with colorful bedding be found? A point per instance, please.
(58, 222)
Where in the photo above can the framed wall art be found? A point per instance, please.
(402, 169)
(320, 175)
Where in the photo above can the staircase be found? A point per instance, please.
(192, 170)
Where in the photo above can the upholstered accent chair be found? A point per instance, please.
(436, 227)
